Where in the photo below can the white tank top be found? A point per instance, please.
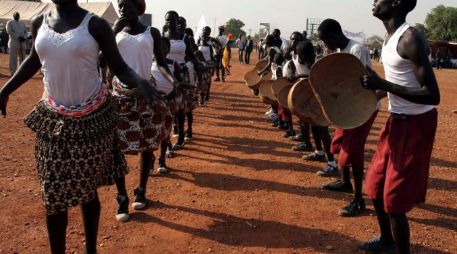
(274, 70)
(400, 71)
(163, 84)
(300, 69)
(69, 63)
(206, 51)
(177, 51)
(137, 51)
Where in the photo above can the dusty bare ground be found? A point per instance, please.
(237, 188)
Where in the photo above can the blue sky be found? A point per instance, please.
(288, 15)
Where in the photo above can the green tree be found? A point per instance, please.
(423, 29)
(441, 23)
(235, 27)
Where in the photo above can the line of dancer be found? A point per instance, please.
(397, 177)
(84, 128)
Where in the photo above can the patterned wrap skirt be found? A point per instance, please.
(172, 101)
(206, 76)
(191, 94)
(141, 126)
(181, 91)
(75, 155)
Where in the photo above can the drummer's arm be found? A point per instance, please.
(381, 94)
(411, 46)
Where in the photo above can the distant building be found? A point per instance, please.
(146, 19)
(447, 48)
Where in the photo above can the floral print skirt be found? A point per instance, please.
(75, 156)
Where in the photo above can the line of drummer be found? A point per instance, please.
(320, 91)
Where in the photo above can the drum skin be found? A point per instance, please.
(335, 79)
(303, 103)
(279, 84)
(283, 96)
(265, 93)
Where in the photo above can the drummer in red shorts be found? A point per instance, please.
(398, 175)
(350, 143)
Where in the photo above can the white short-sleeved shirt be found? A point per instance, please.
(359, 50)
(362, 53)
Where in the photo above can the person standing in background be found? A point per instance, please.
(222, 39)
(249, 49)
(439, 58)
(17, 32)
(3, 41)
(241, 46)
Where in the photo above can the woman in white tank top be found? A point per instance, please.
(181, 50)
(141, 126)
(207, 53)
(75, 123)
(194, 76)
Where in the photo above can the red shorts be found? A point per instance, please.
(284, 113)
(350, 144)
(399, 171)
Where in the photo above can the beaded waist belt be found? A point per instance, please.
(83, 109)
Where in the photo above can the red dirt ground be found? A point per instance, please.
(237, 188)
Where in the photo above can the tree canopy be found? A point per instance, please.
(440, 24)
(235, 27)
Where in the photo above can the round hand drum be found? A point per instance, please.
(261, 64)
(283, 96)
(279, 84)
(335, 79)
(251, 78)
(303, 103)
(265, 92)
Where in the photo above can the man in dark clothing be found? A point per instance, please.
(4, 41)
(249, 47)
